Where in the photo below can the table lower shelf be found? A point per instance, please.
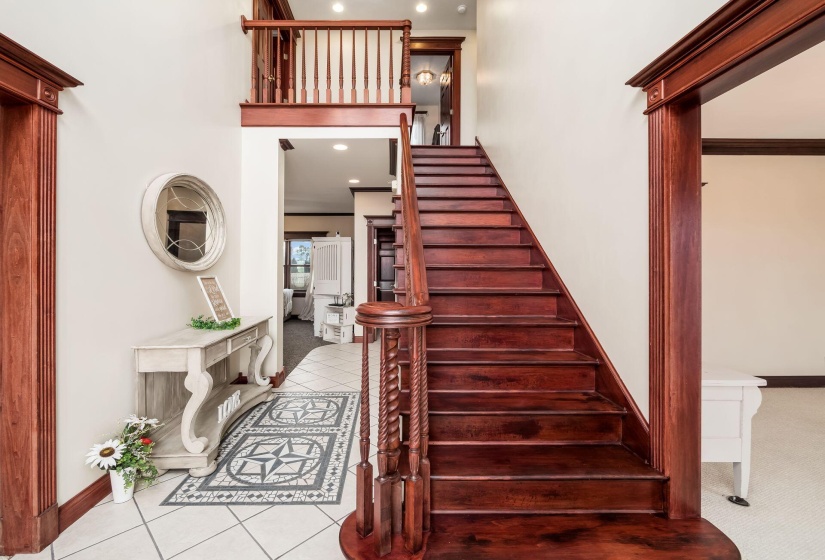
(169, 452)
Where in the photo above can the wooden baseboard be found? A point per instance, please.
(274, 380)
(794, 381)
(78, 505)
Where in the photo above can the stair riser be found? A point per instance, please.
(465, 255)
(493, 305)
(495, 496)
(459, 218)
(452, 152)
(468, 235)
(567, 428)
(455, 180)
(451, 169)
(471, 204)
(516, 279)
(458, 191)
(443, 377)
(498, 336)
(466, 160)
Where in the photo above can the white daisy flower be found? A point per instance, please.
(140, 421)
(105, 455)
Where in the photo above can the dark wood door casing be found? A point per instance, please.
(741, 40)
(449, 46)
(29, 89)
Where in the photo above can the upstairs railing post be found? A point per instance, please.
(406, 91)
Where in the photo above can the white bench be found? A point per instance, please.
(729, 401)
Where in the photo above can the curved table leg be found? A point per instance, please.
(204, 471)
(199, 383)
(265, 344)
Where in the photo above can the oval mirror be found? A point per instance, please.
(183, 222)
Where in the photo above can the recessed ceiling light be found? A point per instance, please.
(338, 7)
(462, 9)
(422, 7)
(340, 147)
(354, 181)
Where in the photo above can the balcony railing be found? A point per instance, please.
(329, 62)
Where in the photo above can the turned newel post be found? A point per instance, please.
(406, 92)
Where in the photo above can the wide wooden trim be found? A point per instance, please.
(28, 159)
(763, 147)
(445, 46)
(81, 503)
(324, 114)
(35, 65)
(374, 222)
(354, 190)
(794, 381)
(675, 304)
(741, 40)
(289, 235)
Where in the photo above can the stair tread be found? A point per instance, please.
(458, 197)
(472, 245)
(521, 320)
(576, 537)
(466, 211)
(519, 402)
(497, 461)
(476, 356)
(465, 226)
(488, 291)
(482, 266)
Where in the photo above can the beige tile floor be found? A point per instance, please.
(144, 530)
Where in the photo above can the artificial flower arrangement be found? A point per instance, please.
(126, 456)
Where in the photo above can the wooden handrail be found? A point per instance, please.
(378, 506)
(251, 24)
(417, 290)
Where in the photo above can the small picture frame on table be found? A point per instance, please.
(215, 297)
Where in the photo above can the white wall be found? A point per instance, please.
(162, 89)
(262, 219)
(366, 204)
(329, 224)
(763, 264)
(570, 140)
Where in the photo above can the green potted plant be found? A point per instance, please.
(126, 457)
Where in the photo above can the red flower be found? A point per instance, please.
(146, 441)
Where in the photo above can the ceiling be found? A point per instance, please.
(787, 101)
(317, 177)
(431, 94)
(440, 14)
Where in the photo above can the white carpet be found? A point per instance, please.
(786, 519)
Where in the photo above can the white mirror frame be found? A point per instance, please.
(150, 230)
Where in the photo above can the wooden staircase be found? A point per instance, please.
(536, 449)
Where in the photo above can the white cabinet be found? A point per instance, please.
(332, 275)
(729, 401)
(339, 324)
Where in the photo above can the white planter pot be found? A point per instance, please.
(119, 491)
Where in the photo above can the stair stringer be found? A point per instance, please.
(635, 429)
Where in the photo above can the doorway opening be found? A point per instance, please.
(435, 64)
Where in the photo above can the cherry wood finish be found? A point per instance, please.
(584, 536)
(81, 503)
(376, 228)
(794, 381)
(524, 413)
(741, 40)
(763, 147)
(29, 88)
(332, 114)
(450, 46)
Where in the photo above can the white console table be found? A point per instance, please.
(184, 379)
(729, 401)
